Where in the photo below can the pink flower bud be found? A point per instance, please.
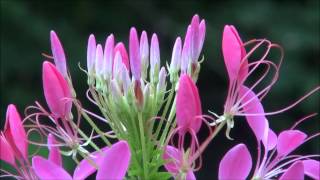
(58, 54)
(134, 52)
(176, 56)
(188, 105)
(91, 53)
(186, 52)
(144, 52)
(154, 57)
(108, 57)
(56, 91)
(99, 60)
(124, 55)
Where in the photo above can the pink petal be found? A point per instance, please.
(58, 54)
(56, 90)
(312, 168)
(124, 55)
(116, 162)
(173, 159)
(188, 105)
(272, 140)
(289, 140)
(134, 53)
(294, 172)
(6, 152)
(85, 169)
(190, 175)
(257, 123)
(14, 131)
(236, 163)
(91, 53)
(54, 152)
(233, 52)
(47, 170)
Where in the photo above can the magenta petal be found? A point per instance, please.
(173, 159)
(115, 162)
(294, 172)
(257, 123)
(188, 105)
(186, 51)
(190, 175)
(14, 131)
(58, 54)
(56, 90)
(312, 168)
(48, 170)
(272, 140)
(54, 152)
(85, 169)
(6, 152)
(195, 38)
(236, 163)
(134, 53)
(289, 140)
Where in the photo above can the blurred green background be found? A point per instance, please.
(25, 28)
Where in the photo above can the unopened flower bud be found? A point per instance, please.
(144, 52)
(154, 59)
(58, 54)
(108, 57)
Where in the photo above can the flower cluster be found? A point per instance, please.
(153, 114)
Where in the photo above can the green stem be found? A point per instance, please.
(170, 118)
(144, 153)
(166, 108)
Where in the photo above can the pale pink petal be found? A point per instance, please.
(56, 90)
(91, 53)
(15, 132)
(294, 172)
(144, 49)
(58, 54)
(188, 105)
(124, 55)
(99, 60)
(134, 53)
(258, 123)
(154, 55)
(173, 157)
(289, 140)
(236, 163)
(312, 168)
(272, 140)
(202, 31)
(195, 38)
(6, 152)
(116, 162)
(108, 57)
(85, 169)
(176, 56)
(54, 151)
(48, 170)
(186, 51)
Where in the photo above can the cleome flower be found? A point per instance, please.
(14, 146)
(275, 161)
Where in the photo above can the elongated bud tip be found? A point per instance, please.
(91, 53)
(134, 53)
(58, 54)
